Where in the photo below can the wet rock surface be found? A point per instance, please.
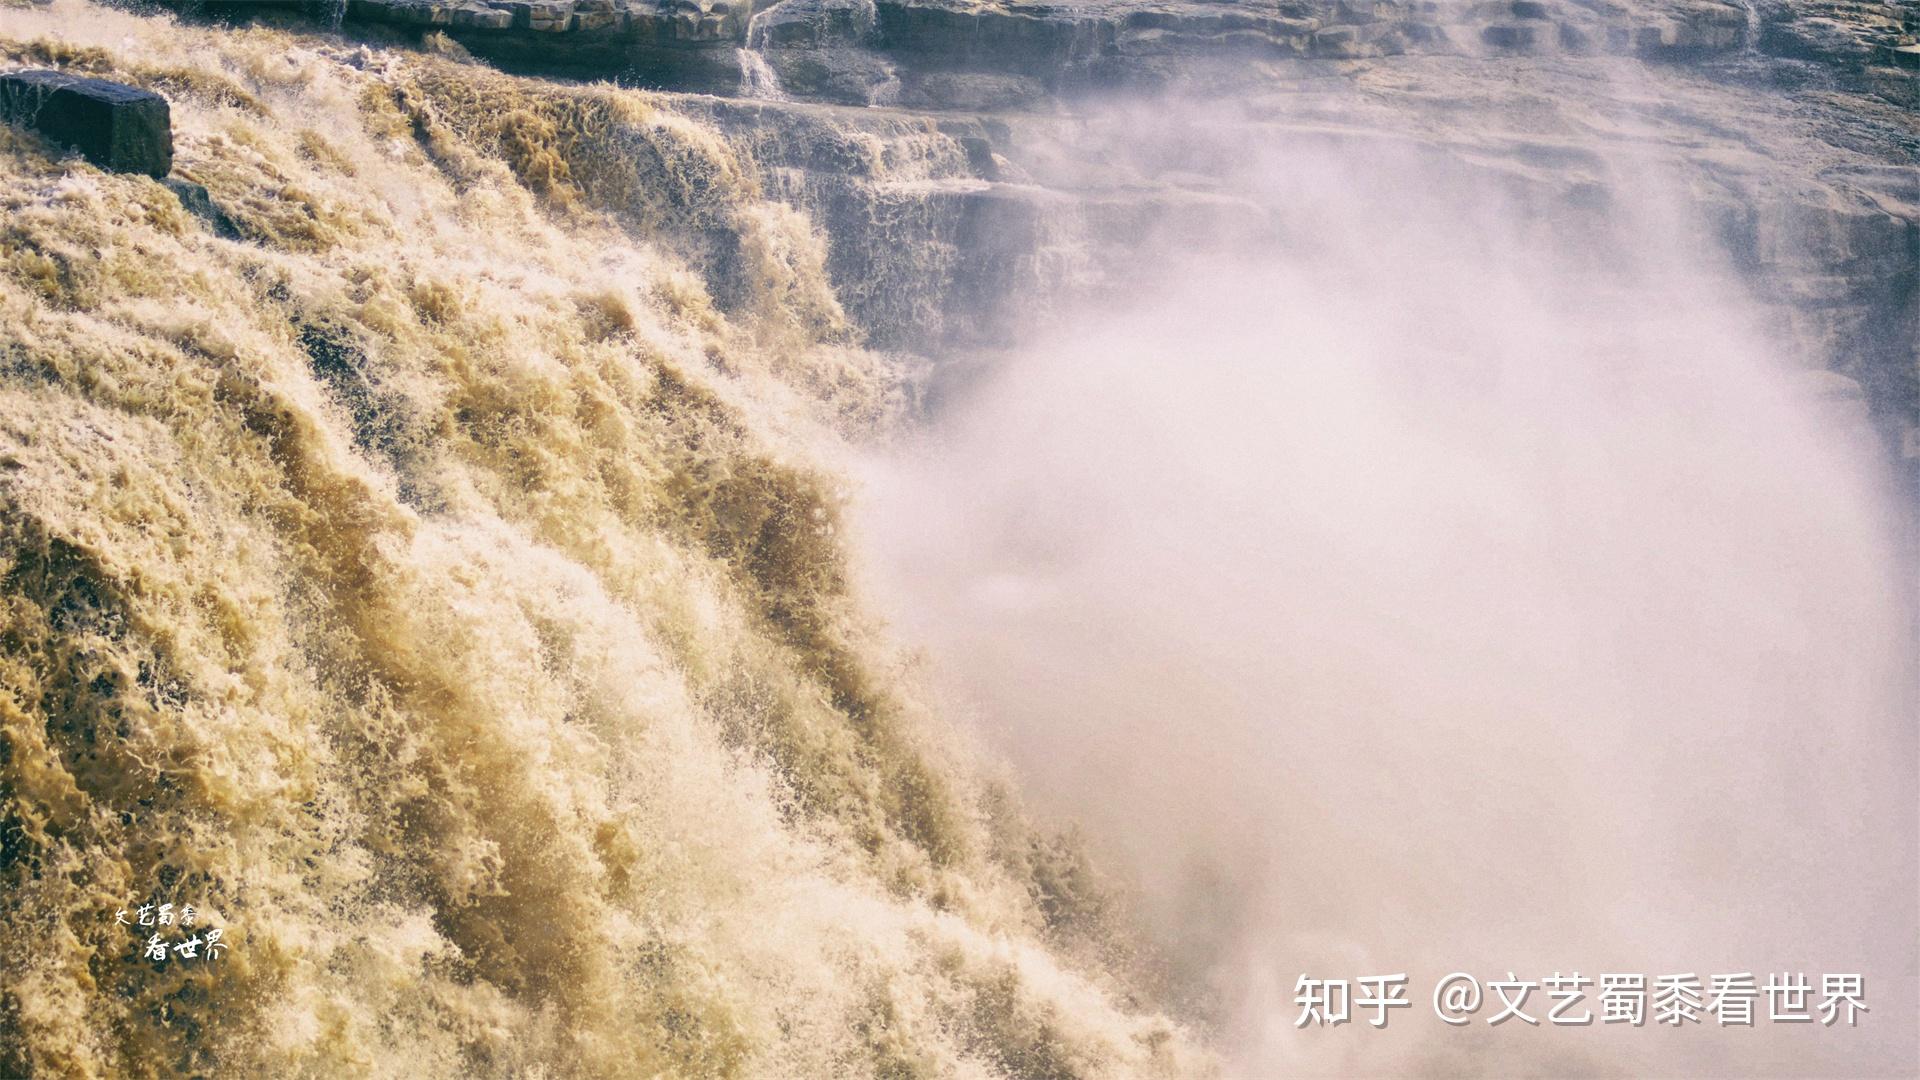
(1130, 42)
(959, 206)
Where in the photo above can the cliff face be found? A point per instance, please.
(954, 196)
(916, 47)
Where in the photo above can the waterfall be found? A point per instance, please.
(568, 580)
(757, 78)
(413, 564)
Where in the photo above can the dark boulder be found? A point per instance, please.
(117, 127)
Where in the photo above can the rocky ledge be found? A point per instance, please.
(994, 53)
(958, 203)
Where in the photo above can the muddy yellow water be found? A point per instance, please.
(406, 562)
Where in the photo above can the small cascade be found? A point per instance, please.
(758, 80)
(1750, 40)
(757, 28)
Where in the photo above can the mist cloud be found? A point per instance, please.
(1459, 580)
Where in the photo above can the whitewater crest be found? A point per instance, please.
(410, 562)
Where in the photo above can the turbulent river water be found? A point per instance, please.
(411, 563)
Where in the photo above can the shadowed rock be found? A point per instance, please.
(116, 127)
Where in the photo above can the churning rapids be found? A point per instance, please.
(460, 535)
